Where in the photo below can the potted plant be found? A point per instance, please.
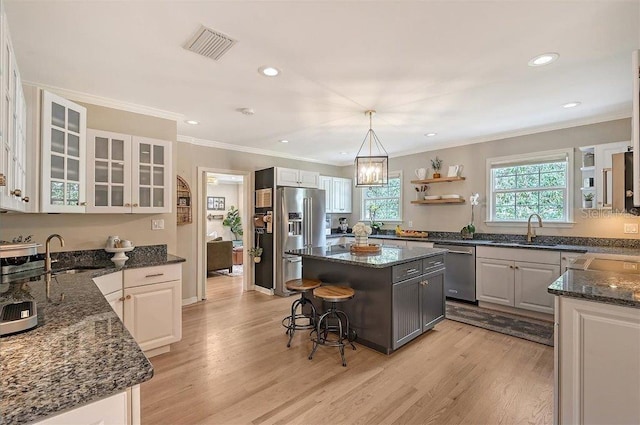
(436, 164)
(361, 232)
(233, 222)
(588, 200)
(375, 225)
(256, 253)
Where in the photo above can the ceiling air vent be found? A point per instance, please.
(210, 43)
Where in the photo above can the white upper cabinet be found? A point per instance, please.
(326, 183)
(342, 189)
(128, 174)
(108, 172)
(13, 157)
(297, 178)
(151, 176)
(63, 183)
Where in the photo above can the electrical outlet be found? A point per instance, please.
(157, 224)
(410, 224)
(630, 227)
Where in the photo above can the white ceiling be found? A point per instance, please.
(458, 68)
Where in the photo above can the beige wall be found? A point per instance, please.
(90, 231)
(192, 156)
(453, 217)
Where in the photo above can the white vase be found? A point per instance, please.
(362, 240)
(257, 259)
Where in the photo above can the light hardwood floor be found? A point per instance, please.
(233, 367)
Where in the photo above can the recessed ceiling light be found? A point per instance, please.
(343, 153)
(571, 105)
(192, 122)
(431, 134)
(246, 111)
(268, 71)
(284, 141)
(544, 59)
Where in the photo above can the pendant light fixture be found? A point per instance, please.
(371, 169)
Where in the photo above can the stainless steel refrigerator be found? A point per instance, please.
(300, 223)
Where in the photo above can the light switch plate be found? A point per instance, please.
(157, 224)
(410, 224)
(630, 227)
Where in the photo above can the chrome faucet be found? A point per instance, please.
(47, 255)
(530, 232)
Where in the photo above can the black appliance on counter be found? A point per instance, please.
(19, 265)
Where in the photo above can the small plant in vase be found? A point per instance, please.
(588, 200)
(361, 232)
(436, 164)
(375, 225)
(256, 254)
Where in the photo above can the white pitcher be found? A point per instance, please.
(421, 173)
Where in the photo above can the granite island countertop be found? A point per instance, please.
(388, 256)
(80, 351)
(601, 286)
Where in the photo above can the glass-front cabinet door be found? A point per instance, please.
(151, 176)
(63, 155)
(108, 172)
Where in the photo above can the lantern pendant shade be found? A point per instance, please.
(371, 169)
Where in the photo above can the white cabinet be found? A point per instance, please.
(419, 244)
(338, 194)
(13, 175)
(119, 409)
(111, 287)
(128, 174)
(153, 306)
(388, 242)
(342, 195)
(297, 178)
(326, 183)
(597, 352)
(63, 155)
(516, 277)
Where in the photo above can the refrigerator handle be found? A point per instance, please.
(310, 221)
(305, 234)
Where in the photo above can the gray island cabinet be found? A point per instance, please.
(399, 291)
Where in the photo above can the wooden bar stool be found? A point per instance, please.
(333, 320)
(300, 321)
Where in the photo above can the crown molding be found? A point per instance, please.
(246, 149)
(107, 102)
(509, 134)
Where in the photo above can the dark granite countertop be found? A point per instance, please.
(547, 246)
(601, 286)
(80, 351)
(388, 256)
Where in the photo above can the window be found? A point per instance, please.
(388, 199)
(539, 183)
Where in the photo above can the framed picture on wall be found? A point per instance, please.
(215, 203)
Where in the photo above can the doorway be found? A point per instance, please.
(224, 225)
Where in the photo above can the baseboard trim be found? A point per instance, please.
(158, 351)
(188, 301)
(263, 290)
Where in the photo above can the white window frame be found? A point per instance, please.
(392, 174)
(531, 158)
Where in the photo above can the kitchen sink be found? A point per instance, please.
(75, 270)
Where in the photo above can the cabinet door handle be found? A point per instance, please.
(412, 271)
(128, 297)
(564, 258)
(25, 199)
(127, 205)
(425, 282)
(155, 275)
(16, 192)
(83, 204)
(121, 298)
(135, 205)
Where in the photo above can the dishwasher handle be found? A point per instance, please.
(460, 252)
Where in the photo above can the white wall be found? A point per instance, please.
(233, 197)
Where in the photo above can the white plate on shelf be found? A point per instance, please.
(451, 197)
(431, 197)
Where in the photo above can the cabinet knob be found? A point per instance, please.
(3, 180)
(564, 258)
(128, 297)
(516, 267)
(25, 199)
(127, 204)
(121, 299)
(135, 205)
(510, 267)
(83, 204)
(16, 192)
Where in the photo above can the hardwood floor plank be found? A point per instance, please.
(233, 367)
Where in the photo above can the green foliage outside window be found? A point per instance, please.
(522, 190)
(385, 201)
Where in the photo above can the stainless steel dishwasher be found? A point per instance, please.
(460, 275)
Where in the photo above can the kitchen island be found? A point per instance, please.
(399, 291)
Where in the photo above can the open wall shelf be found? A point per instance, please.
(440, 180)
